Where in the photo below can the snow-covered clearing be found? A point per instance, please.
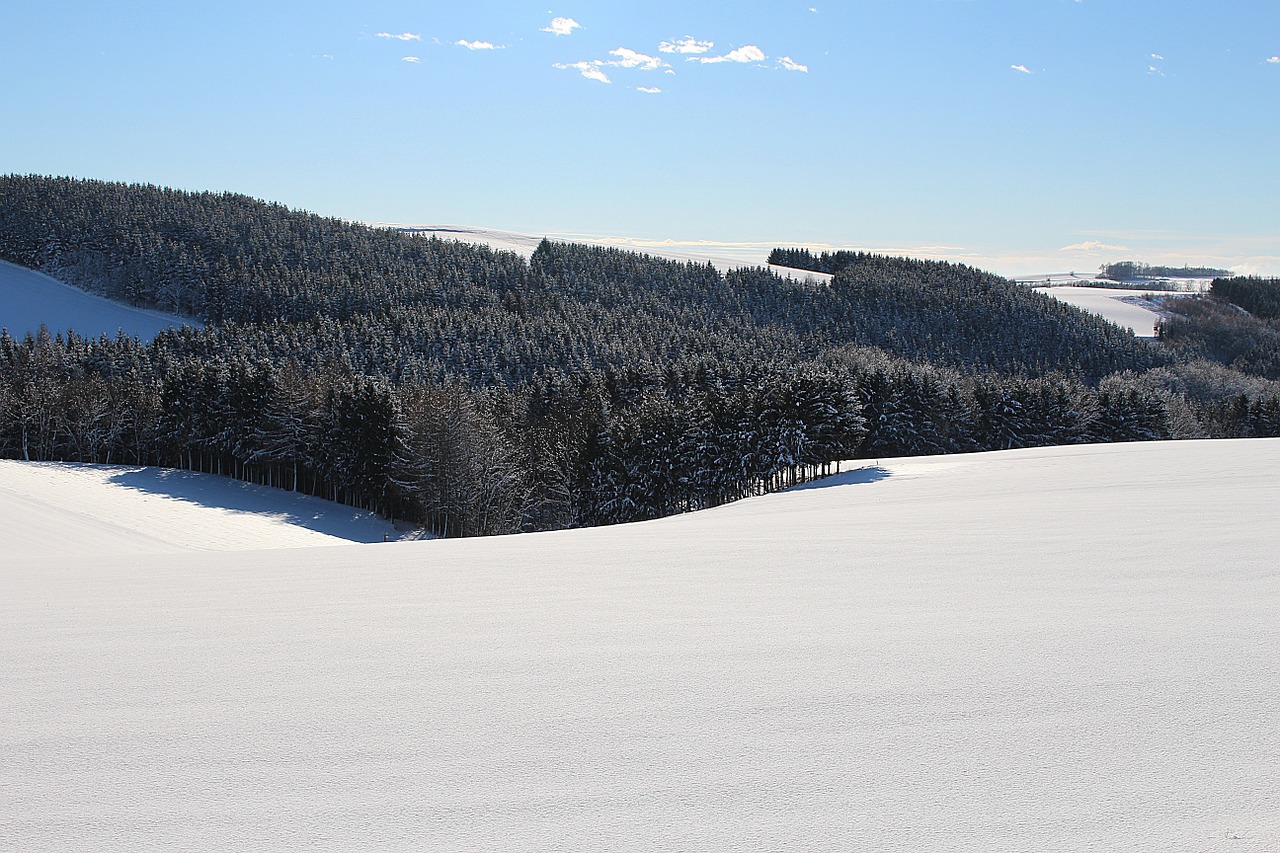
(29, 299)
(1125, 307)
(1055, 649)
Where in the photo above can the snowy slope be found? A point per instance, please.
(87, 511)
(29, 299)
(1125, 307)
(1054, 649)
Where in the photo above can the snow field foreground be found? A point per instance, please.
(1053, 649)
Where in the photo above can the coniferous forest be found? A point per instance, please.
(477, 393)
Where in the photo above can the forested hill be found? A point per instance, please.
(476, 392)
(316, 289)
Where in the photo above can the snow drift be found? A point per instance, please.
(1054, 649)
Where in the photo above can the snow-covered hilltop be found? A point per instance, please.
(1054, 649)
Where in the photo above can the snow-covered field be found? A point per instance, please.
(1126, 308)
(1056, 649)
(29, 299)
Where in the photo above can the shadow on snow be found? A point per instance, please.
(868, 474)
(223, 493)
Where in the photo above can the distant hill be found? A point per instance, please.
(1136, 271)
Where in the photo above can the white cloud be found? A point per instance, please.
(590, 70)
(410, 59)
(746, 53)
(1021, 68)
(688, 44)
(628, 58)
(400, 36)
(1275, 60)
(1157, 56)
(786, 63)
(478, 45)
(1151, 69)
(648, 90)
(562, 26)
(1093, 246)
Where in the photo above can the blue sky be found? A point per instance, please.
(1018, 135)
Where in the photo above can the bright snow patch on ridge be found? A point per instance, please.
(723, 256)
(1055, 649)
(29, 299)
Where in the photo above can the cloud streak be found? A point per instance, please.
(1093, 246)
(746, 54)
(399, 36)
(591, 70)
(478, 45)
(688, 44)
(562, 26)
(628, 58)
(787, 63)
(1021, 69)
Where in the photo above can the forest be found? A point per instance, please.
(476, 393)
(1137, 271)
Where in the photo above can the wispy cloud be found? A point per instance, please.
(628, 58)
(1093, 246)
(688, 44)
(478, 45)
(591, 70)
(1151, 69)
(1022, 69)
(562, 26)
(410, 59)
(787, 63)
(1157, 56)
(399, 36)
(1274, 60)
(648, 90)
(746, 54)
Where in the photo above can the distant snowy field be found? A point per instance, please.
(1126, 308)
(1067, 648)
(29, 299)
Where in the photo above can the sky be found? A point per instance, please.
(1022, 136)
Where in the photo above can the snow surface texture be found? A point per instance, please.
(1055, 649)
(29, 298)
(84, 511)
(1124, 307)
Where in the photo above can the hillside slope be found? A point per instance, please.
(30, 299)
(1048, 649)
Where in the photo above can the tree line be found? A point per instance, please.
(476, 392)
